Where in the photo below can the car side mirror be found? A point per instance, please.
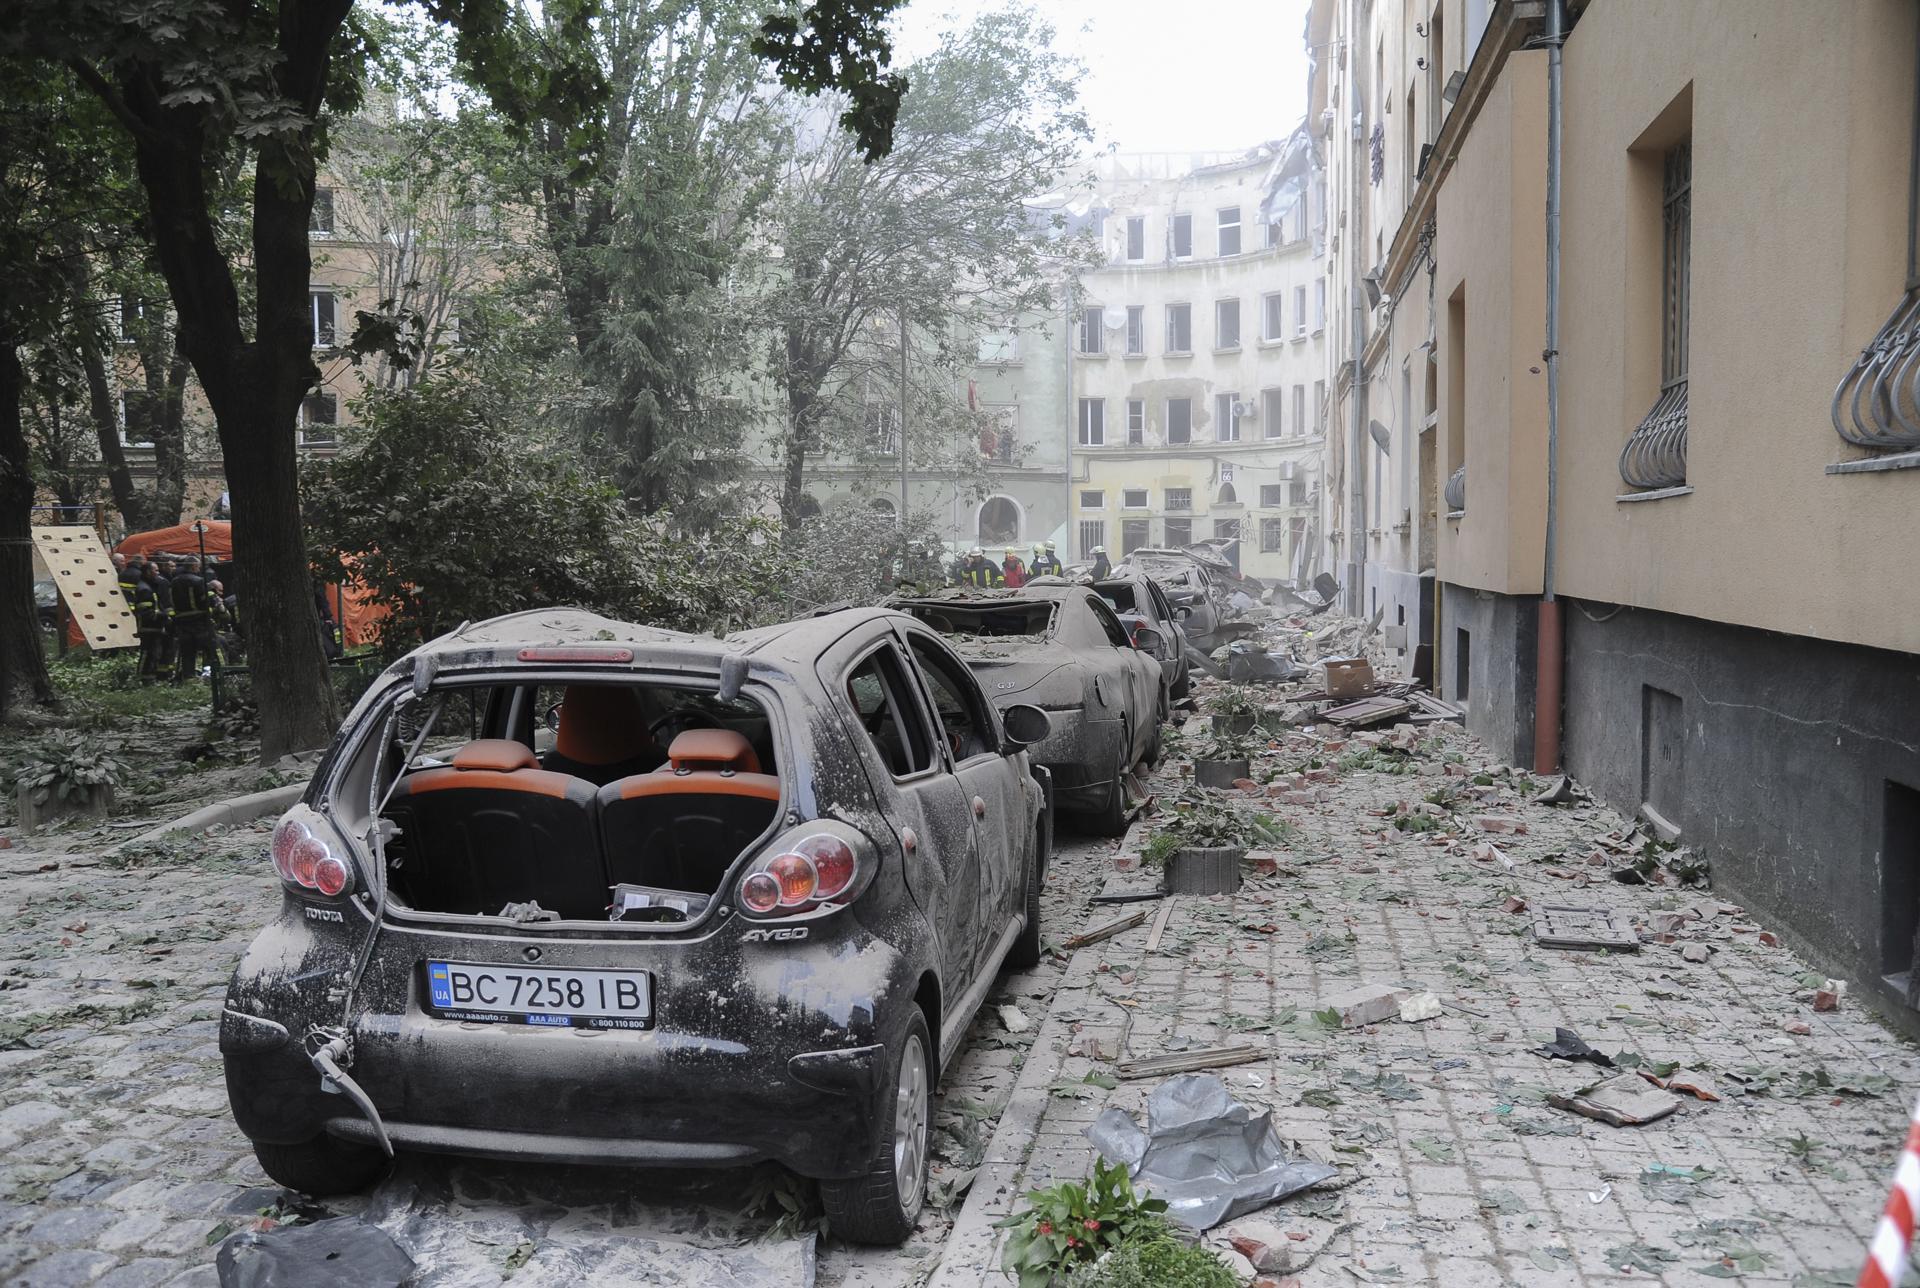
(552, 719)
(1182, 613)
(1147, 640)
(1026, 725)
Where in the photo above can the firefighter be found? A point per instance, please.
(192, 620)
(1013, 572)
(1102, 569)
(163, 588)
(979, 571)
(150, 622)
(1046, 563)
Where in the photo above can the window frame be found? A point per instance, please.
(1226, 427)
(1222, 226)
(1136, 331)
(1136, 422)
(1222, 310)
(1178, 499)
(1092, 331)
(1126, 503)
(1273, 408)
(1300, 312)
(1099, 502)
(1179, 228)
(318, 225)
(327, 337)
(1134, 250)
(938, 761)
(946, 665)
(1186, 431)
(1091, 422)
(1273, 317)
(1185, 523)
(1184, 311)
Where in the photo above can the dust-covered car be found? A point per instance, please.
(1060, 647)
(570, 889)
(1142, 606)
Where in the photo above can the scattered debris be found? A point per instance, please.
(1014, 1020)
(1159, 926)
(1696, 953)
(1107, 931)
(1827, 996)
(1567, 926)
(1208, 1155)
(1367, 1004)
(1188, 1061)
(1621, 1101)
(1419, 1007)
(1514, 904)
(1560, 791)
(1686, 1084)
(1568, 1045)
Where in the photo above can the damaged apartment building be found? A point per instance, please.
(1664, 540)
(1197, 364)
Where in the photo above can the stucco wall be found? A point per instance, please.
(1490, 256)
(1801, 126)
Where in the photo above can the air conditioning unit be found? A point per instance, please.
(1242, 410)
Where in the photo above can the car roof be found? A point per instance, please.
(984, 598)
(800, 639)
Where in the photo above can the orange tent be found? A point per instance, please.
(181, 539)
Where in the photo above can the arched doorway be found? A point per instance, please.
(999, 521)
(1227, 495)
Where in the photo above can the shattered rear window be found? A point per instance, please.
(986, 621)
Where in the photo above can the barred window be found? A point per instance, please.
(1656, 453)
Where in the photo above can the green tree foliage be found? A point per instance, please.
(447, 512)
(935, 233)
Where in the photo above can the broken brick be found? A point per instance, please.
(1367, 1004)
(1245, 785)
(1514, 903)
(1827, 999)
(1799, 1028)
(1497, 823)
(1769, 939)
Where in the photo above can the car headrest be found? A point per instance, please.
(502, 755)
(713, 749)
(601, 724)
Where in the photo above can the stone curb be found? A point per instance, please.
(972, 1254)
(240, 809)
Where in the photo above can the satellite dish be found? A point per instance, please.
(1381, 436)
(1114, 318)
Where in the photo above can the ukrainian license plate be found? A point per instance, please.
(497, 994)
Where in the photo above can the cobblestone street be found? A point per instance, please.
(123, 1167)
(1454, 1170)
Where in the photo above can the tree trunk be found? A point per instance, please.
(255, 386)
(100, 409)
(169, 438)
(23, 666)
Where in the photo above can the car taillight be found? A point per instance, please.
(304, 858)
(804, 870)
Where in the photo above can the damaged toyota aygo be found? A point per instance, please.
(569, 889)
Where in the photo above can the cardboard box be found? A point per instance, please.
(1349, 677)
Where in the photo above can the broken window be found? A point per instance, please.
(1226, 418)
(1136, 329)
(1133, 535)
(1179, 328)
(1136, 421)
(1272, 534)
(319, 419)
(1136, 237)
(1272, 494)
(320, 218)
(963, 619)
(1179, 532)
(1093, 499)
(1229, 222)
(1179, 420)
(1180, 237)
(1226, 324)
(962, 720)
(321, 310)
(882, 696)
(1272, 405)
(1273, 316)
(1092, 330)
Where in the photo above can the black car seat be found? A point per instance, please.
(603, 735)
(682, 826)
(493, 828)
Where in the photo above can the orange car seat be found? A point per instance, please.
(603, 735)
(493, 828)
(683, 825)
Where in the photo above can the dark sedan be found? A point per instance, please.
(1061, 648)
(682, 901)
(1142, 606)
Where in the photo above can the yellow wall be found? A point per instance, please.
(1801, 127)
(1490, 252)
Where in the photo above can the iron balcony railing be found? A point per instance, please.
(1877, 405)
(1656, 455)
(1456, 489)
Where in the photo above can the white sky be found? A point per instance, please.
(1165, 75)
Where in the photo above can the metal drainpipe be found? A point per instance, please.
(1073, 424)
(1356, 459)
(1550, 661)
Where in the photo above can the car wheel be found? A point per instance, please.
(883, 1204)
(1025, 952)
(322, 1166)
(1154, 749)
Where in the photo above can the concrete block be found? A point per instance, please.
(1367, 1004)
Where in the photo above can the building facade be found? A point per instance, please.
(1197, 359)
(1732, 647)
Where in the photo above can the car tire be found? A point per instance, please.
(323, 1166)
(871, 1208)
(1025, 953)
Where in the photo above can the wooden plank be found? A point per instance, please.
(1107, 931)
(1159, 926)
(1189, 1061)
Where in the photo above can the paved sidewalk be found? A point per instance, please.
(1454, 1168)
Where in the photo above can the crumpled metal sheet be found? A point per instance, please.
(339, 1252)
(1208, 1155)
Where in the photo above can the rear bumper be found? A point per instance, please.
(759, 1051)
